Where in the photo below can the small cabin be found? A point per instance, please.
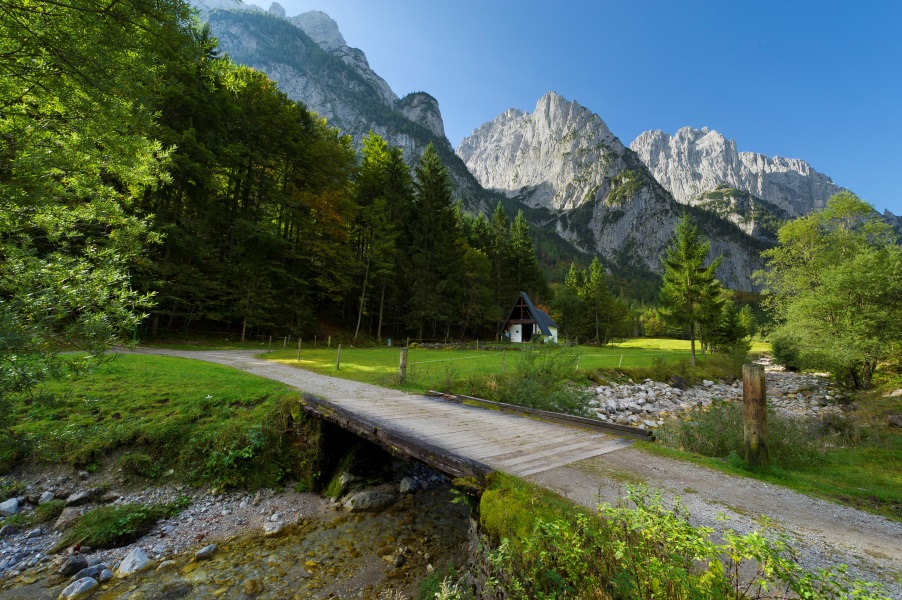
(526, 321)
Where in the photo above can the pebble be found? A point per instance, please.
(206, 552)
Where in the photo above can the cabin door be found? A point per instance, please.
(527, 331)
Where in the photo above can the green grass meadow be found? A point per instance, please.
(427, 368)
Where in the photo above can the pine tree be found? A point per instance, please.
(688, 287)
(436, 247)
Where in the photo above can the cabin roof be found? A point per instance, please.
(541, 318)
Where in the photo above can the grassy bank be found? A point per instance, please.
(544, 546)
(206, 422)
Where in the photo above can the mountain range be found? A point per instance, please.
(574, 179)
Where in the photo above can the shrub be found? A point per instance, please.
(140, 464)
(785, 352)
(49, 511)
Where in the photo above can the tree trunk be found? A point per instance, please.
(692, 340)
(366, 274)
(381, 307)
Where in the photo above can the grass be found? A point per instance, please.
(115, 526)
(430, 369)
(855, 461)
(207, 422)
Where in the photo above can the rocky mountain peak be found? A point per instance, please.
(693, 162)
(422, 108)
(277, 10)
(321, 28)
(555, 155)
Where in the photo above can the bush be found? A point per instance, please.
(785, 352)
(49, 511)
(718, 432)
(140, 464)
(542, 378)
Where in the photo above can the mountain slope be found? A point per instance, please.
(692, 162)
(309, 59)
(596, 193)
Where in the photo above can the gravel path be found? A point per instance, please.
(824, 534)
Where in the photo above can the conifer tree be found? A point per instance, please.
(688, 287)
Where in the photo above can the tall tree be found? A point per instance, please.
(689, 287)
(436, 247)
(836, 289)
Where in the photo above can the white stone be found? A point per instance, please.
(82, 588)
(134, 562)
(9, 507)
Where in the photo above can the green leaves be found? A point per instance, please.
(836, 290)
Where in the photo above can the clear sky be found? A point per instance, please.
(820, 81)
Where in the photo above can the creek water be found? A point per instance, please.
(337, 555)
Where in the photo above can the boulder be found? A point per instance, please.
(9, 507)
(894, 420)
(408, 485)
(46, 497)
(368, 501)
(74, 564)
(134, 562)
(66, 518)
(79, 498)
(79, 589)
(678, 382)
(92, 571)
(206, 552)
(273, 528)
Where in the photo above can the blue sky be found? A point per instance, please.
(820, 81)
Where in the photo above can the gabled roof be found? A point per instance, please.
(541, 317)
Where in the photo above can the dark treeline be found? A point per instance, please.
(272, 224)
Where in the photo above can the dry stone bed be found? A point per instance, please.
(649, 404)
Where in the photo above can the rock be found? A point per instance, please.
(252, 587)
(83, 475)
(79, 589)
(206, 552)
(105, 575)
(66, 518)
(408, 485)
(275, 517)
(694, 161)
(272, 529)
(73, 565)
(134, 562)
(9, 507)
(369, 501)
(46, 497)
(111, 496)
(894, 420)
(79, 498)
(166, 564)
(678, 382)
(8, 530)
(707, 383)
(277, 10)
(92, 571)
(399, 561)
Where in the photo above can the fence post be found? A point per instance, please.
(299, 349)
(402, 367)
(754, 402)
(314, 340)
(285, 342)
(329, 344)
(270, 343)
(620, 364)
(338, 359)
(477, 344)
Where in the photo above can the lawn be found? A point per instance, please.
(428, 368)
(206, 421)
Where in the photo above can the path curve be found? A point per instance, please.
(825, 534)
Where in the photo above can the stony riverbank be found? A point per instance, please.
(649, 404)
(270, 544)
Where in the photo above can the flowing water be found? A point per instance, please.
(340, 555)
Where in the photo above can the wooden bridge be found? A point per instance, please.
(450, 434)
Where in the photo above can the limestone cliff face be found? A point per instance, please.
(596, 193)
(695, 161)
(309, 58)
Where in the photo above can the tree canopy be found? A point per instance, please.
(836, 289)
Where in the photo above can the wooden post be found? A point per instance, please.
(338, 358)
(285, 342)
(477, 344)
(270, 343)
(330, 342)
(402, 367)
(314, 340)
(620, 364)
(299, 349)
(754, 402)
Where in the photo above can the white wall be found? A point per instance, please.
(517, 333)
(553, 331)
